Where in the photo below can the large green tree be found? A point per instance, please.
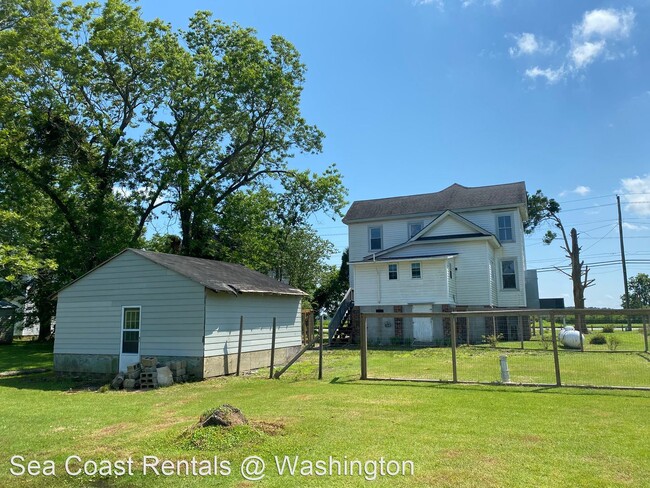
(232, 119)
(639, 287)
(112, 119)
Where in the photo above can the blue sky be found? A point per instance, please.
(416, 95)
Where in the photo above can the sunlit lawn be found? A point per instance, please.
(456, 435)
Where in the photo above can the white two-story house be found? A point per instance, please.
(462, 247)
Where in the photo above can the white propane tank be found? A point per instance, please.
(569, 337)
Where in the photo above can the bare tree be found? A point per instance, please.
(544, 209)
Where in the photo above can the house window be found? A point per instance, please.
(130, 330)
(374, 234)
(416, 272)
(392, 271)
(449, 272)
(508, 274)
(504, 228)
(414, 228)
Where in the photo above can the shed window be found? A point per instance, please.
(392, 271)
(504, 228)
(416, 271)
(508, 274)
(374, 234)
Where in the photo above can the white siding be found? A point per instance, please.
(89, 312)
(374, 287)
(450, 226)
(222, 322)
(471, 276)
(474, 285)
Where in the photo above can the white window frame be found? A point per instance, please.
(419, 268)
(381, 238)
(512, 227)
(517, 279)
(396, 271)
(122, 329)
(408, 227)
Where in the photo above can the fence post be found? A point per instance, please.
(453, 349)
(645, 332)
(272, 350)
(241, 335)
(311, 327)
(363, 338)
(556, 357)
(494, 329)
(520, 328)
(320, 348)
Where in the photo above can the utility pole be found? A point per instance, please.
(620, 233)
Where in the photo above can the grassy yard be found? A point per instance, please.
(456, 435)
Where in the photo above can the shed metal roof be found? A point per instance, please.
(454, 197)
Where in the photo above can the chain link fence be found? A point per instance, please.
(594, 348)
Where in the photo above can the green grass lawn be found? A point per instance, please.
(456, 435)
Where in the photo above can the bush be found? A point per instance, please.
(598, 339)
(613, 342)
(608, 329)
(493, 340)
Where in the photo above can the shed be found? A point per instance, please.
(142, 303)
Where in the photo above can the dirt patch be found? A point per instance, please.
(451, 454)
(532, 439)
(112, 429)
(269, 428)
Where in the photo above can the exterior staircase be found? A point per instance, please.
(344, 326)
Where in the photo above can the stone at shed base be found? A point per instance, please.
(129, 384)
(117, 382)
(165, 377)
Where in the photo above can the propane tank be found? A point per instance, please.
(571, 338)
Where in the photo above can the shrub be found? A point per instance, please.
(608, 329)
(493, 340)
(597, 339)
(613, 342)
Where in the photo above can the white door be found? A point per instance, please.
(422, 326)
(130, 337)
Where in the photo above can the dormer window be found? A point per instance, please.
(375, 238)
(504, 228)
(414, 228)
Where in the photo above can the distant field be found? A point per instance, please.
(456, 435)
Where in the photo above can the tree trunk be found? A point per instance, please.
(578, 287)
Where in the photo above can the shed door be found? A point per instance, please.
(130, 345)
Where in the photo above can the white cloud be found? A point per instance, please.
(581, 190)
(635, 192)
(440, 4)
(586, 53)
(634, 227)
(529, 44)
(551, 75)
(605, 24)
(594, 37)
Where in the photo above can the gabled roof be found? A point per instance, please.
(448, 214)
(474, 232)
(455, 197)
(217, 276)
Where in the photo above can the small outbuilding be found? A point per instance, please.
(142, 303)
